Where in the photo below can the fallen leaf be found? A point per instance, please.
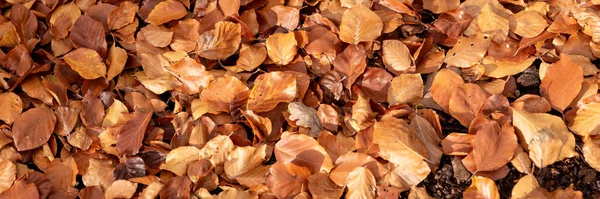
(176, 187)
(360, 24)
(532, 103)
(166, 11)
(13, 106)
(214, 100)
(87, 62)
(177, 159)
(397, 57)
(444, 83)
(251, 56)
(586, 120)
(468, 51)
(89, 33)
(287, 17)
(33, 128)
(494, 147)
(559, 89)
(21, 189)
(306, 117)
(320, 186)
(158, 36)
(286, 179)
(465, 103)
(121, 189)
(493, 20)
(8, 174)
(399, 144)
(360, 183)
(129, 139)
(527, 23)
(221, 42)
(270, 89)
(351, 63)
(304, 151)
(458, 144)
(546, 135)
(243, 159)
(352, 160)
(99, 173)
(405, 89)
(281, 47)
(482, 187)
(590, 145)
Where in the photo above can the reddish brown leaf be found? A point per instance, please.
(129, 139)
(33, 128)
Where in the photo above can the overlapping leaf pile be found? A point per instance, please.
(292, 99)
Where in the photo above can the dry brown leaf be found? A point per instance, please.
(499, 69)
(303, 150)
(546, 135)
(521, 161)
(494, 147)
(560, 89)
(33, 128)
(458, 144)
(221, 42)
(439, 7)
(87, 62)
(465, 103)
(12, 107)
(419, 193)
(362, 114)
(351, 63)
(399, 144)
(191, 74)
(287, 17)
(214, 100)
(122, 16)
(430, 138)
(251, 56)
(270, 89)
(397, 57)
(321, 187)
(405, 89)
(7, 174)
(99, 173)
(350, 161)
(336, 145)
(116, 60)
(468, 51)
(590, 146)
(586, 120)
(329, 117)
(482, 188)
(305, 116)
(527, 23)
(281, 47)
(360, 24)
(158, 36)
(361, 184)
(532, 103)
(286, 179)
(244, 159)
(166, 11)
(89, 33)
(493, 21)
(177, 159)
(129, 139)
(121, 189)
(444, 83)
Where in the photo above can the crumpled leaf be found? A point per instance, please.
(360, 24)
(87, 62)
(213, 99)
(281, 47)
(33, 128)
(270, 89)
(306, 117)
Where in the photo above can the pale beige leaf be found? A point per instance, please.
(493, 21)
(527, 23)
(545, 134)
(176, 160)
(591, 146)
(361, 184)
(121, 189)
(360, 24)
(419, 193)
(281, 47)
(440, 6)
(468, 51)
(306, 117)
(396, 56)
(244, 159)
(159, 85)
(405, 88)
(527, 187)
(8, 173)
(587, 120)
(99, 173)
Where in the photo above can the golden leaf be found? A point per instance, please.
(86, 62)
(221, 42)
(360, 24)
(281, 47)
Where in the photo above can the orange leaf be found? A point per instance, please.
(286, 179)
(444, 83)
(351, 63)
(281, 47)
(12, 107)
(492, 147)
(360, 24)
(166, 11)
(221, 42)
(465, 103)
(270, 89)
(560, 89)
(129, 140)
(483, 188)
(405, 89)
(303, 151)
(86, 62)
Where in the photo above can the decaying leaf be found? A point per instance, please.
(306, 117)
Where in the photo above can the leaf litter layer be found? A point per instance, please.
(299, 99)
